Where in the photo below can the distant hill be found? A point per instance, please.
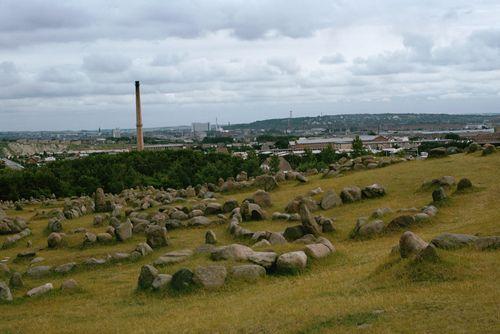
(367, 122)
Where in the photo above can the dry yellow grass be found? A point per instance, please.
(334, 295)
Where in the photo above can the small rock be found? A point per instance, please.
(210, 237)
(264, 259)
(234, 252)
(65, 268)
(317, 251)
(38, 271)
(16, 281)
(123, 231)
(438, 195)
(69, 284)
(463, 184)
(156, 236)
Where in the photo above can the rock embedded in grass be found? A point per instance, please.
(308, 222)
(488, 243)
(38, 271)
(5, 293)
(65, 268)
(439, 195)
(411, 244)
(69, 285)
(182, 280)
(210, 277)
(156, 236)
(463, 184)
(264, 259)
(161, 281)
(291, 262)
(317, 251)
(248, 272)
(330, 200)
(16, 281)
(123, 231)
(40, 290)
(146, 277)
(262, 198)
(402, 221)
(234, 252)
(453, 240)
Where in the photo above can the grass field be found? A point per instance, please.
(361, 288)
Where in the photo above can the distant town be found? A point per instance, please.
(380, 133)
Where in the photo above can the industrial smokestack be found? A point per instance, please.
(140, 139)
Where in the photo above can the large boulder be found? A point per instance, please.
(411, 244)
(156, 236)
(264, 259)
(248, 272)
(488, 243)
(54, 240)
(438, 195)
(123, 231)
(294, 205)
(350, 194)
(161, 281)
(5, 294)
(146, 277)
(182, 280)
(317, 251)
(210, 277)
(438, 152)
(252, 211)
(488, 149)
(262, 198)
(375, 190)
(463, 184)
(291, 262)
(276, 238)
(100, 201)
(38, 271)
(40, 290)
(199, 221)
(293, 233)
(54, 225)
(453, 240)
(266, 182)
(230, 205)
(235, 252)
(210, 237)
(366, 229)
(213, 208)
(308, 222)
(330, 200)
(402, 221)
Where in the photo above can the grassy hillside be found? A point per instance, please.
(360, 286)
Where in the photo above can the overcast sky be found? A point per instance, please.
(72, 64)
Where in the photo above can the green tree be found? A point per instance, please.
(357, 147)
(274, 164)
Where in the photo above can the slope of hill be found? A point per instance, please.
(360, 286)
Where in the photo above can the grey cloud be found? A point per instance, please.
(332, 59)
(8, 73)
(107, 63)
(285, 65)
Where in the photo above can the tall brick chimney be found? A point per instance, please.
(138, 114)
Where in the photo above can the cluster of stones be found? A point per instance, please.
(215, 276)
(412, 246)
(39, 271)
(16, 282)
(16, 226)
(367, 227)
(444, 184)
(360, 163)
(440, 152)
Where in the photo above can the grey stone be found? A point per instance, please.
(292, 261)
(276, 239)
(264, 259)
(330, 200)
(123, 231)
(69, 285)
(317, 251)
(463, 184)
(234, 252)
(54, 240)
(65, 268)
(210, 237)
(453, 240)
(488, 243)
(38, 271)
(16, 281)
(89, 239)
(146, 277)
(40, 290)
(161, 281)
(438, 195)
(248, 272)
(403, 221)
(261, 243)
(308, 222)
(143, 248)
(104, 237)
(5, 294)
(210, 277)
(182, 280)
(200, 221)
(373, 191)
(156, 236)
(350, 194)
(262, 198)
(411, 244)
(294, 232)
(173, 257)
